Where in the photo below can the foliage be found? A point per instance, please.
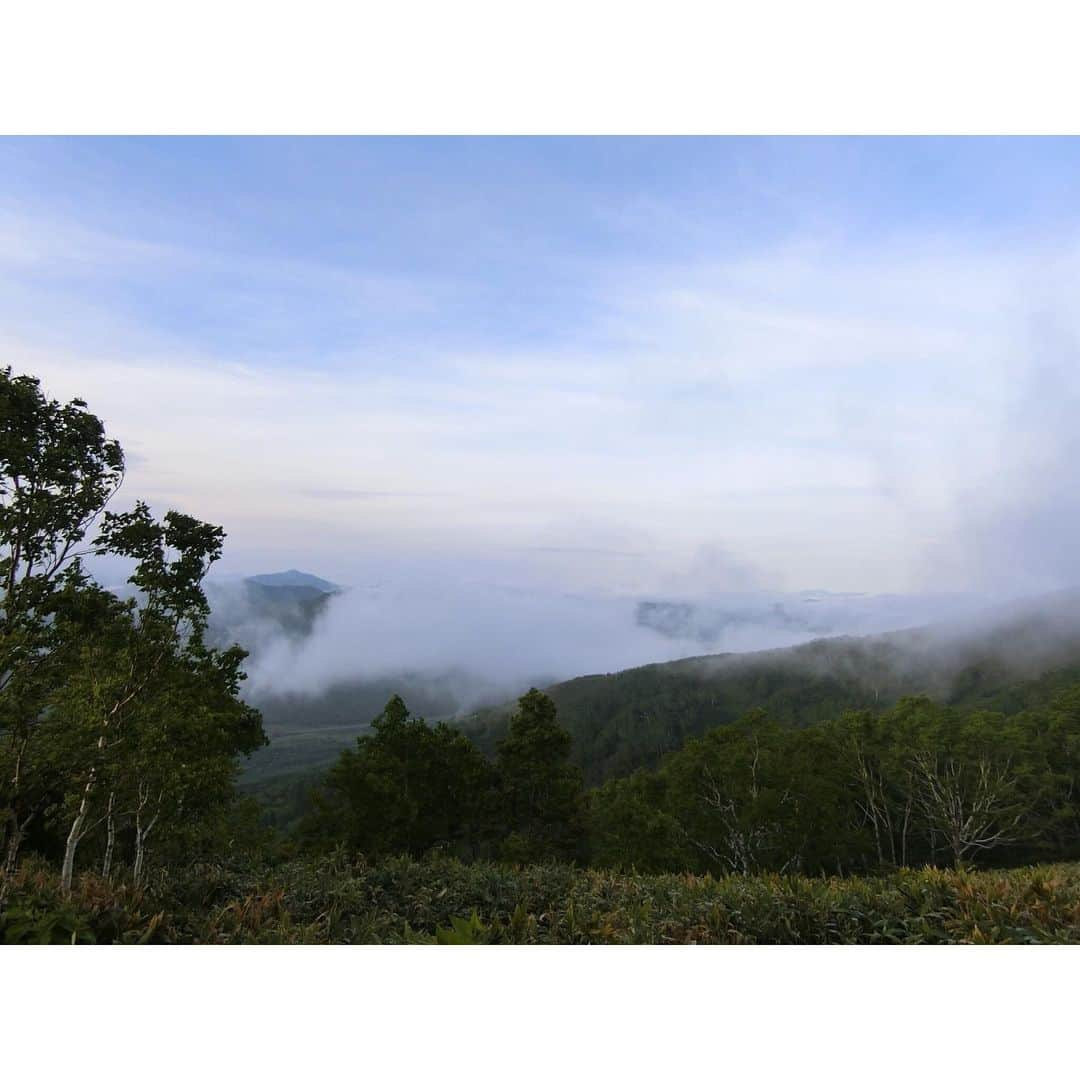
(920, 783)
(469, 931)
(57, 472)
(407, 787)
(405, 901)
(541, 790)
(410, 787)
(633, 719)
(118, 722)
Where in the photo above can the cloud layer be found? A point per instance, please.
(623, 401)
(485, 643)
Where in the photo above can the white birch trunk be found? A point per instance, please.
(110, 843)
(75, 834)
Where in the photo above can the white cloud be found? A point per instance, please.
(826, 417)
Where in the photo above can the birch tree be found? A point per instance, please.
(880, 753)
(734, 799)
(973, 806)
(57, 473)
(185, 746)
(125, 667)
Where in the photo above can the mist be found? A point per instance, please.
(484, 643)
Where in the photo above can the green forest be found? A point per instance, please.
(830, 794)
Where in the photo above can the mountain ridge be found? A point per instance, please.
(292, 579)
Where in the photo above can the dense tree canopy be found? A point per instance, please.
(410, 788)
(915, 784)
(542, 791)
(406, 787)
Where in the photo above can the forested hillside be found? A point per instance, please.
(1016, 658)
(631, 719)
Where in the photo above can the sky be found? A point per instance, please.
(637, 366)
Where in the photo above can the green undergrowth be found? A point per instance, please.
(443, 901)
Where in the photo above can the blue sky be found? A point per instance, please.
(635, 364)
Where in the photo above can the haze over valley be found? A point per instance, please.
(324, 658)
(494, 641)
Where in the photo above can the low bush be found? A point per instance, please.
(409, 901)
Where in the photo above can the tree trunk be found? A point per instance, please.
(877, 836)
(106, 863)
(76, 833)
(141, 836)
(11, 856)
(137, 867)
(957, 845)
(74, 836)
(16, 836)
(142, 833)
(904, 833)
(15, 829)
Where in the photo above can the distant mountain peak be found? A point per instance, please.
(292, 579)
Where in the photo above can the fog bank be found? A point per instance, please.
(494, 641)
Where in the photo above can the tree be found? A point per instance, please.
(82, 724)
(406, 788)
(734, 800)
(1046, 761)
(150, 699)
(879, 750)
(630, 827)
(176, 766)
(760, 796)
(542, 791)
(971, 805)
(931, 779)
(57, 472)
(967, 788)
(113, 711)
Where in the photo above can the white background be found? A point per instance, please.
(561, 67)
